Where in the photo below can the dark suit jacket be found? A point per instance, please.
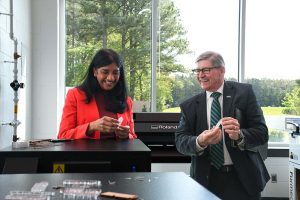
(237, 98)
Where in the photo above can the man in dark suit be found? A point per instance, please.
(241, 174)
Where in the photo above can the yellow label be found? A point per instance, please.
(58, 168)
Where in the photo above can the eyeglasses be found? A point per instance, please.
(205, 70)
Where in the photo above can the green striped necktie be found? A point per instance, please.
(216, 151)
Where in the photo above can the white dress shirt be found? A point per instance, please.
(209, 99)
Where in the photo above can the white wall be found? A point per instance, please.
(36, 25)
(22, 32)
(45, 67)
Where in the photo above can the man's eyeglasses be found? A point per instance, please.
(205, 70)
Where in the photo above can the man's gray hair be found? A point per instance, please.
(215, 58)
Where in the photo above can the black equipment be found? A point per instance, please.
(156, 128)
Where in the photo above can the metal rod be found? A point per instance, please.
(11, 34)
(15, 84)
(154, 54)
(241, 47)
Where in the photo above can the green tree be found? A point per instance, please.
(124, 25)
(292, 101)
(187, 86)
(270, 92)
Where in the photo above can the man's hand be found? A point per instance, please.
(212, 136)
(232, 127)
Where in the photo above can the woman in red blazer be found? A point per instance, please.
(99, 108)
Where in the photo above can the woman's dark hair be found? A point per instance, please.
(115, 99)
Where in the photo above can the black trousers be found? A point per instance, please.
(227, 186)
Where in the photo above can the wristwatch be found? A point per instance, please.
(241, 137)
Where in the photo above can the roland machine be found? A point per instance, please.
(156, 129)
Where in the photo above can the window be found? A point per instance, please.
(271, 50)
(120, 25)
(204, 25)
(168, 35)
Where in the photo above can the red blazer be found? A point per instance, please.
(77, 115)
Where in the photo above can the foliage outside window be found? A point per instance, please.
(125, 27)
(272, 44)
(186, 29)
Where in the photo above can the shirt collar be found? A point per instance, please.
(208, 93)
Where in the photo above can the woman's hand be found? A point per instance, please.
(122, 132)
(104, 125)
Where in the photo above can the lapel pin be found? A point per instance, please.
(228, 96)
